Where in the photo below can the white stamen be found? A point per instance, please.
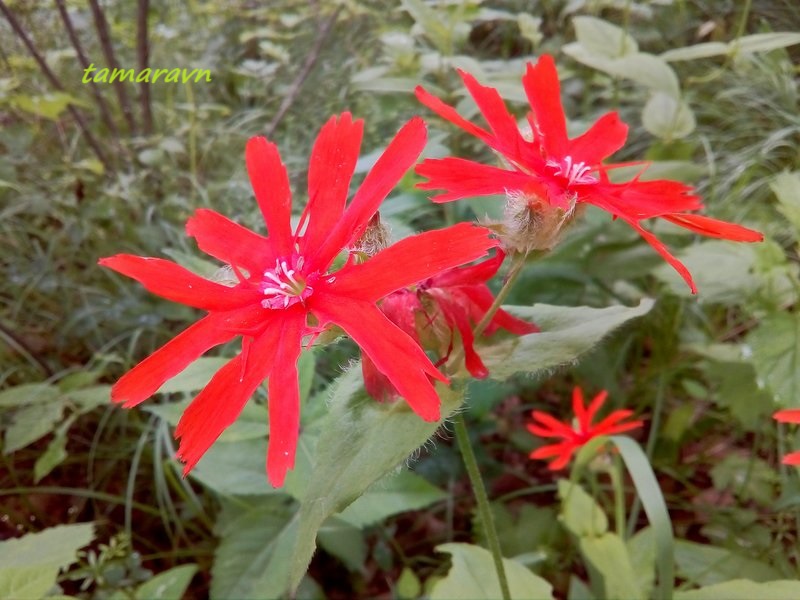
(574, 173)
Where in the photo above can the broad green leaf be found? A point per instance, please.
(235, 468)
(344, 541)
(744, 589)
(642, 552)
(764, 42)
(667, 117)
(169, 585)
(29, 393)
(738, 392)
(195, 376)
(394, 494)
(30, 423)
(530, 28)
(49, 106)
(776, 355)
(254, 552)
(566, 333)
(696, 51)
(53, 456)
(408, 585)
(786, 187)
(602, 38)
(608, 557)
(649, 71)
(749, 477)
(723, 272)
(90, 397)
(706, 565)
(29, 565)
(473, 576)
(580, 514)
(360, 441)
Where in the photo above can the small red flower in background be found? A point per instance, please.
(285, 290)
(789, 415)
(552, 170)
(454, 300)
(583, 430)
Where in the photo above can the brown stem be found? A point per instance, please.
(54, 81)
(322, 34)
(143, 56)
(108, 51)
(102, 105)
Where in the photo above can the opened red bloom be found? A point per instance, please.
(547, 166)
(285, 290)
(438, 307)
(575, 435)
(789, 415)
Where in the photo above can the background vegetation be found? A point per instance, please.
(710, 89)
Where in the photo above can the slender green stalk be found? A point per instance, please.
(511, 279)
(484, 510)
(615, 472)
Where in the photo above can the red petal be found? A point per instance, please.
(604, 137)
(219, 404)
(793, 458)
(556, 426)
(464, 178)
(284, 401)
(787, 415)
(544, 94)
(659, 247)
(563, 460)
(611, 424)
(470, 275)
(401, 153)
(413, 259)
(173, 282)
(449, 113)
(579, 409)
(271, 187)
(595, 405)
(457, 315)
(560, 449)
(507, 138)
(330, 169)
(143, 380)
(645, 199)
(394, 353)
(376, 383)
(221, 238)
(715, 228)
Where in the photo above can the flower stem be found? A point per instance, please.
(615, 471)
(484, 510)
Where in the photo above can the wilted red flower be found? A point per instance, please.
(789, 415)
(435, 309)
(552, 170)
(286, 290)
(580, 432)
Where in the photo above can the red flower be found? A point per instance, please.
(454, 300)
(286, 290)
(551, 168)
(789, 415)
(575, 436)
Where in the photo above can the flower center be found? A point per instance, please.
(284, 286)
(574, 172)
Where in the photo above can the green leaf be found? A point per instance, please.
(360, 441)
(580, 514)
(195, 376)
(722, 271)
(602, 38)
(706, 565)
(169, 585)
(29, 393)
(744, 589)
(31, 423)
(235, 468)
(408, 585)
(786, 187)
(608, 557)
(250, 424)
(696, 51)
(764, 42)
(750, 478)
(394, 494)
(344, 541)
(473, 576)
(648, 70)
(53, 456)
(29, 565)
(566, 333)
(254, 552)
(667, 117)
(776, 355)
(49, 106)
(738, 392)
